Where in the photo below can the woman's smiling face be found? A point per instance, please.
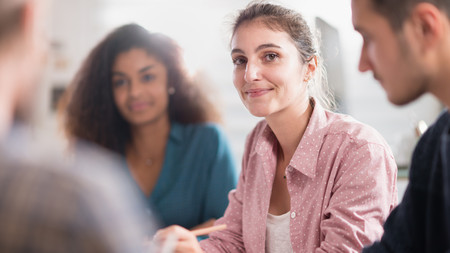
(139, 84)
(268, 71)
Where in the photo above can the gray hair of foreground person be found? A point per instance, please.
(48, 206)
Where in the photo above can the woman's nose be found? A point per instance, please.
(252, 72)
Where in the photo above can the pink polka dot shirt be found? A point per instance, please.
(341, 181)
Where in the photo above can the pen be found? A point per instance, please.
(205, 231)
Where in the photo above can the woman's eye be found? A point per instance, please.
(119, 82)
(147, 78)
(239, 61)
(270, 57)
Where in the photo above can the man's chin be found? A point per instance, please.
(400, 101)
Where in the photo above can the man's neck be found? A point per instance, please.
(440, 84)
(440, 88)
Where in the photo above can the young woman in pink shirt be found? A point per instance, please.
(312, 180)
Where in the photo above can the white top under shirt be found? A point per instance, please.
(278, 238)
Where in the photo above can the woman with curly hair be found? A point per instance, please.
(132, 96)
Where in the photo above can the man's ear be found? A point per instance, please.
(28, 19)
(429, 24)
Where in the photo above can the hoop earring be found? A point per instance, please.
(171, 90)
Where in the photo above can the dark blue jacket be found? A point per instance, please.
(421, 223)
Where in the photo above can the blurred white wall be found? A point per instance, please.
(202, 28)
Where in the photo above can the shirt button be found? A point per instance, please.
(289, 169)
(292, 215)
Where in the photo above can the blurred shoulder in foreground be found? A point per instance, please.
(51, 203)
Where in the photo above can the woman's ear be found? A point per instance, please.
(311, 68)
(312, 64)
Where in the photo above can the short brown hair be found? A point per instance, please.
(396, 11)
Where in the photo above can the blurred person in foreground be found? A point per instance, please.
(132, 96)
(406, 44)
(48, 203)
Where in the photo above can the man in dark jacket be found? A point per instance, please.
(406, 44)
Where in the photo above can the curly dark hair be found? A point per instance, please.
(88, 108)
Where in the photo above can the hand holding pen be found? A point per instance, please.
(178, 239)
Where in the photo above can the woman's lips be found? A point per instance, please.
(137, 106)
(253, 93)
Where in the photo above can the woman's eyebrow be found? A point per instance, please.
(146, 68)
(259, 48)
(264, 46)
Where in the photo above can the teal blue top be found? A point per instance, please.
(197, 174)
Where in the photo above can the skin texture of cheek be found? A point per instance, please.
(119, 100)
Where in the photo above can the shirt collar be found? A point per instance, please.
(265, 142)
(307, 153)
